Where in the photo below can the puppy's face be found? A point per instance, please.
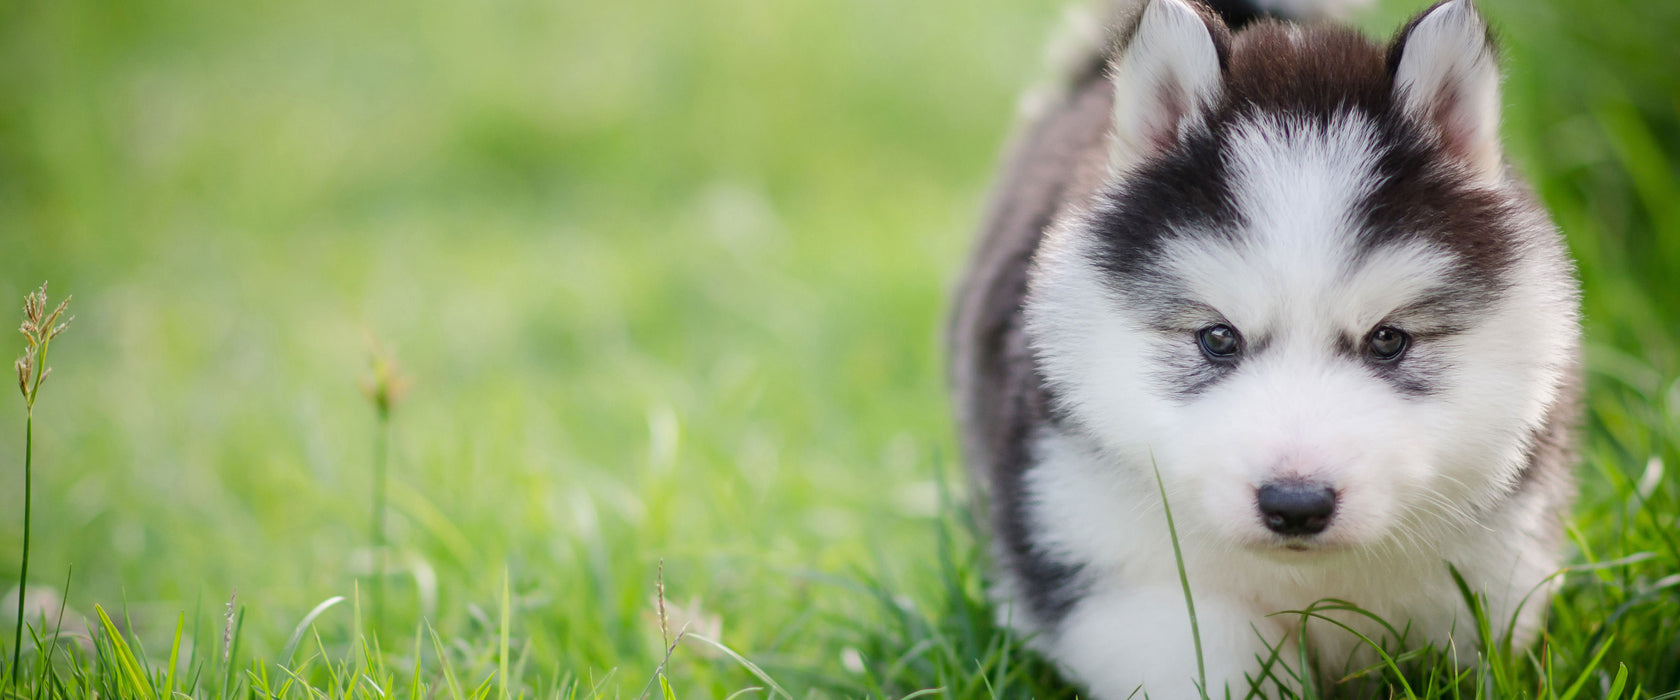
(1320, 312)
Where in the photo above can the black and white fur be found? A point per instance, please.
(1302, 187)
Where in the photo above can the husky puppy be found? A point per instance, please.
(1286, 271)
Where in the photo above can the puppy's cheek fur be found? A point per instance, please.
(1093, 354)
(1508, 372)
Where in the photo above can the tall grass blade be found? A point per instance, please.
(443, 663)
(23, 573)
(417, 688)
(1388, 661)
(303, 626)
(52, 645)
(1184, 582)
(174, 656)
(502, 668)
(39, 328)
(775, 688)
(1586, 672)
(127, 666)
(1618, 685)
(381, 444)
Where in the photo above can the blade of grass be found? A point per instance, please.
(1184, 582)
(123, 656)
(58, 627)
(414, 691)
(1586, 672)
(443, 661)
(303, 626)
(775, 688)
(1388, 660)
(23, 573)
(1619, 684)
(174, 654)
(502, 668)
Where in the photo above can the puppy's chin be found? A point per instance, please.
(1294, 549)
(1329, 545)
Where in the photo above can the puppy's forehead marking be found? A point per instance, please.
(1299, 186)
(1297, 181)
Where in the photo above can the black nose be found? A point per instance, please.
(1296, 508)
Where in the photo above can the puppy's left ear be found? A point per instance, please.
(1446, 76)
(1167, 75)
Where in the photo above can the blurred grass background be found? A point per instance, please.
(668, 280)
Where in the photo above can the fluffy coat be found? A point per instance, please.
(1309, 200)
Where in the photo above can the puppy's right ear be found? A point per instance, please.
(1168, 73)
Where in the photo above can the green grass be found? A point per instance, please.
(668, 280)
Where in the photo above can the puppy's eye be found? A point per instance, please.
(1388, 343)
(1219, 341)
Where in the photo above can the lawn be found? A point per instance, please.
(665, 281)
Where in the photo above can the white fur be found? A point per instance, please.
(1167, 74)
(1413, 474)
(1448, 78)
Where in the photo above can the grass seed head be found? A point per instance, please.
(385, 383)
(39, 328)
(227, 628)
